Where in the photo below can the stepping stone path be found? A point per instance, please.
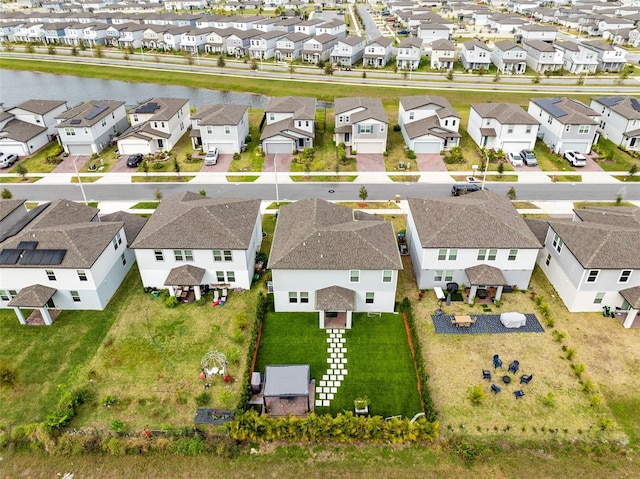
(337, 368)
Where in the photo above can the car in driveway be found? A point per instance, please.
(529, 158)
(515, 159)
(211, 157)
(575, 158)
(403, 32)
(464, 188)
(133, 161)
(6, 160)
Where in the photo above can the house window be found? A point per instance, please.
(437, 276)
(50, 274)
(482, 254)
(584, 129)
(453, 254)
(412, 115)
(528, 130)
(222, 255)
(448, 275)
(624, 276)
(82, 274)
(304, 297)
(599, 297)
(188, 255)
(365, 129)
(593, 276)
(510, 129)
(227, 130)
(354, 276)
(177, 254)
(209, 130)
(512, 255)
(492, 254)
(135, 118)
(231, 276)
(387, 276)
(442, 254)
(117, 240)
(159, 255)
(220, 276)
(381, 128)
(548, 259)
(3, 295)
(272, 116)
(70, 131)
(369, 298)
(550, 120)
(293, 297)
(557, 243)
(123, 259)
(75, 296)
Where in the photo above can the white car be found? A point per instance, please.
(7, 160)
(515, 159)
(575, 158)
(212, 157)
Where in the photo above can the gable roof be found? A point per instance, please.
(505, 113)
(185, 275)
(567, 110)
(300, 107)
(429, 125)
(476, 220)
(368, 108)
(614, 215)
(411, 42)
(87, 113)
(318, 235)
(161, 109)
(189, 220)
(219, 115)
(132, 223)
(443, 44)
(39, 107)
(625, 106)
(21, 131)
(417, 101)
(475, 43)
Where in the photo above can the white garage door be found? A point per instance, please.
(581, 146)
(369, 147)
(133, 147)
(427, 147)
(11, 147)
(222, 147)
(80, 150)
(273, 148)
(515, 146)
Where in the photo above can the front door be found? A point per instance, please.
(347, 137)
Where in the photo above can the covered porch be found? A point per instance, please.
(184, 282)
(335, 306)
(36, 297)
(486, 283)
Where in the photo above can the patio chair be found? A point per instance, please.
(223, 299)
(526, 379)
(495, 389)
(486, 374)
(514, 366)
(497, 363)
(518, 394)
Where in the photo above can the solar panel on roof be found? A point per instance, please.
(549, 104)
(148, 108)
(27, 245)
(10, 256)
(95, 112)
(610, 100)
(635, 104)
(43, 256)
(76, 122)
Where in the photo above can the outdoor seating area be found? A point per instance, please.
(506, 378)
(219, 297)
(185, 294)
(463, 321)
(480, 324)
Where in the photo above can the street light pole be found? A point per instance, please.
(275, 170)
(79, 180)
(486, 167)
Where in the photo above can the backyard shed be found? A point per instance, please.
(286, 382)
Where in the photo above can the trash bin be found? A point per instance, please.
(397, 198)
(255, 383)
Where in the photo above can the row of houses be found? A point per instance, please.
(324, 258)
(428, 123)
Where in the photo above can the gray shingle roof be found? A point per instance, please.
(39, 107)
(443, 44)
(84, 109)
(626, 106)
(476, 220)
(21, 131)
(371, 108)
(189, 220)
(335, 298)
(485, 274)
(186, 275)
(444, 107)
(614, 215)
(301, 107)
(475, 43)
(35, 296)
(318, 235)
(632, 295)
(505, 113)
(132, 223)
(431, 126)
(540, 45)
(8, 206)
(218, 115)
(567, 110)
(165, 110)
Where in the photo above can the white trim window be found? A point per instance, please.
(75, 296)
(159, 255)
(548, 260)
(599, 298)
(387, 276)
(222, 255)
(82, 274)
(369, 297)
(493, 253)
(354, 276)
(557, 243)
(293, 297)
(624, 276)
(513, 254)
(304, 296)
(592, 276)
(437, 276)
(482, 254)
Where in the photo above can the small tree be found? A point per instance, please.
(29, 48)
(145, 167)
(221, 62)
(363, 194)
(74, 51)
(176, 165)
(203, 192)
(188, 57)
(500, 168)
(292, 70)
(328, 69)
(496, 78)
(6, 194)
(8, 48)
(633, 170)
(511, 194)
(449, 75)
(51, 50)
(253, 66)
(22, 170)
(98, 52)
(158, 194)
(536, 78)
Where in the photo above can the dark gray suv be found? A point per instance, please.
(464, 188)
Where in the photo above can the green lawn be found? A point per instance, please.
(379, 362)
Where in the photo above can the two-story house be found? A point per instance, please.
(619, 119)
(322, 260)
(318, 48)
(61, 256)
(610, 58)
(89, 127)
(565, 124)
(502, 126)
(193, 241)
(289, 47)
(443, 54)
(263, 45)
(409, 54)
(477, 240)
(429, 124)
(289, 124)
(220, 126)
(535, 32)
(509, 58)
(542, 56)
(377, 53)
(361, 124)
(475, 55)
(156, 125)
(593, 260)
(348, 51)
(577, 58)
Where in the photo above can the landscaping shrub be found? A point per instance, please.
(171, 302)
(476, 395)
(256, 327)
(396, 127)
(410, 154)
(203, 399)
(8, 376)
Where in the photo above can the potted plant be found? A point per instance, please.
(361, 405)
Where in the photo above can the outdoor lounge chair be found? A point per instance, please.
(497, 363)
(518, 394)
(495, 389)
(486, 374)
(223, 299)
(526, 379)
(514, 366)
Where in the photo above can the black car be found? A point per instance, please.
(133, 161)
(464, 188)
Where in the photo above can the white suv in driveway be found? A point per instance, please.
(212, 157)
(7, 160)
(575, 158)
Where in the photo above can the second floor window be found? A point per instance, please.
(159, 255)
(512, 254)
(354, 276)
(387, 276)
(592, 276)
(222, 255)
(82, 274)
(624, 276)
(50, 274)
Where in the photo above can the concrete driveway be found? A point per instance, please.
(284, 162)
(370, 162)
(430, 162)
(224, 161)
(67, 164)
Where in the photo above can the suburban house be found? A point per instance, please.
(288, 125)
(475, 55)
(619, 119)
(334, 260)
(409, 53)
(504, 24)
(29, 126)
(318, 48)
(348, 51)
(61, 255)
(91, 126)
(443, 54)
(565, 124)
(361, 123)
(429, 32)
(593, 261)
(477, 240)
(156, 125)
(220, 126)
(429, 124)
(509, 58)
(289, 47)
(610, 58)
(193, 241)
(542, 56)
(577, 58)
(263, 46)
(502, 126)
(534, 31)
(377, 53)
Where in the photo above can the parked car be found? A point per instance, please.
(575, 158)
(133, 161)
(212, 157)
(514, 159)
(385, 13)
(464, 188)
(403, 32)
(6, 160)
(528, 158)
